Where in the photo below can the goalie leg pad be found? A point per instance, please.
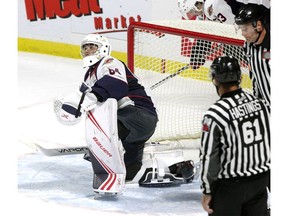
(106, 150)
(108, 184)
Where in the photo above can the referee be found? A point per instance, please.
(235, 147)
(254, 22)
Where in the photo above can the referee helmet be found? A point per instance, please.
(225, 69)
(251, 13)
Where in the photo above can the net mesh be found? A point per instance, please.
(173, 57)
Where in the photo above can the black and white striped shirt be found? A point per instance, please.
(235, 138)
(258, 57)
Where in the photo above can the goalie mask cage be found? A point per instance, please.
(161, 49)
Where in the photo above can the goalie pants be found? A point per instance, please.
(246, 196)
(135, 126)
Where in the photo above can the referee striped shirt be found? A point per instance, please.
(235, 139)
(258, 57)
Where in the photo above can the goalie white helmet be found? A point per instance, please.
(190, 8)
(93, 48)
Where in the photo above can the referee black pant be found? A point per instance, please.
(241, 197)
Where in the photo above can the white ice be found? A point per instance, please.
(63, 184)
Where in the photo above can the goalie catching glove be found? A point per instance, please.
(65, 110)
(69, 110)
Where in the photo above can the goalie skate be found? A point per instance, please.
(153, 179)
(164, 169)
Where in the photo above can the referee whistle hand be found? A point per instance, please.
(206, 199)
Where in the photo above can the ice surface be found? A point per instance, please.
(63, 185)
(67, 180)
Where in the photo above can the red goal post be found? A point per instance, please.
(159, 52)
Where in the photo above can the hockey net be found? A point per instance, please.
(161, 49)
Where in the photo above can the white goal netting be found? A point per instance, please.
(161, 49)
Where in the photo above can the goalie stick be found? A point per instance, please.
(37, 145)
(62, 151)
(68, 150)
(78, 112)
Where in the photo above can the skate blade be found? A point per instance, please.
(152, 180)
(160, 184)
(105, 194)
